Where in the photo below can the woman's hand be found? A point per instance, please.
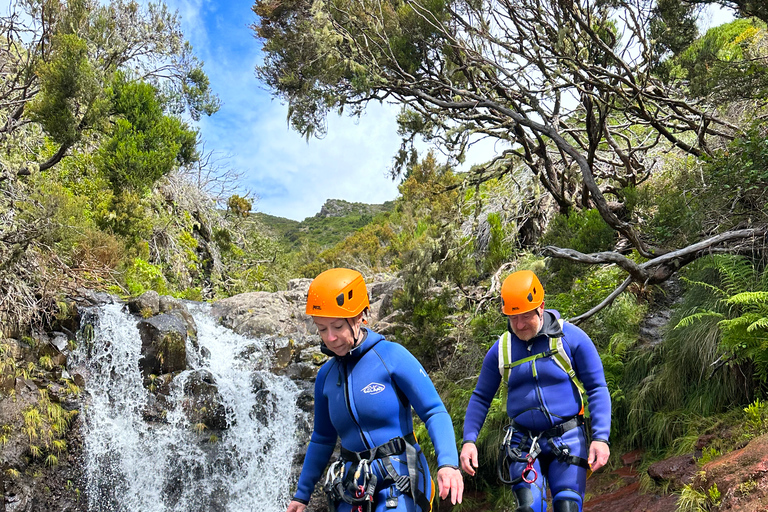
(450, 481)
(296, 506)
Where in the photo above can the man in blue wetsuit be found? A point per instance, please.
(364, 395)
(547, 442)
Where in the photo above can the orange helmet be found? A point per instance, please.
(337, 293)
(521, 292)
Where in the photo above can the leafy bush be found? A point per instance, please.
(142, 276)
(144, 144)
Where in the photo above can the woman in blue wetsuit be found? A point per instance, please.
(364, 395)
(549, 365)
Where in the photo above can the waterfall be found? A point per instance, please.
(170, 464)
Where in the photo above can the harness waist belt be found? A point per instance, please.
(392, 447)
(556, 431)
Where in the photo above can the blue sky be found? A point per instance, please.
(291, 177)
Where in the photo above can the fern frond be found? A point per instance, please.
(748, 299)
(736, 272)
(691, 319)
(760, 324)
(706, 286)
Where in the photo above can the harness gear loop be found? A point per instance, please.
(509, 454)
(359, 487)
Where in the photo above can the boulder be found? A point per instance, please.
(260, 314)
(202, 402)
(163, 344)
(146, 305)
(281, 314)
(679, 471)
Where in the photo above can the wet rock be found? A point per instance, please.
(203, 404)
(631, 498)
(300, 371)
(306, 400)
(283, 357)
(264, 409)
(679, 471)
(87, 297)
(633, 457)
(146, 305)
(163, 344)
(52, 351)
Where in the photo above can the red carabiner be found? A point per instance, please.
(528, 469)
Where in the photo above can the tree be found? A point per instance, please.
(144, 144)
(569, 89)
(59, 60)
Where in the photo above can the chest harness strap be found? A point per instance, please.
(556, 351)
(529, 443)
(358, 488)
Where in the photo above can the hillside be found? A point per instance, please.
(336, 220)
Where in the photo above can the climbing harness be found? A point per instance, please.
(528, 449)
(358, 488)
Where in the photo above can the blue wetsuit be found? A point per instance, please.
(541, 396)
(365, 398)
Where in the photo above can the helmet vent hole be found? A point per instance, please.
(530, 297)
(349, 295)
(340, 299)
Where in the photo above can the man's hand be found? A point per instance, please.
(296, 506)
(468, 458)
(598, 454)
(450, 481)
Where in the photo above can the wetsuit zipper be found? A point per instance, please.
(538, 388)
(349, 408)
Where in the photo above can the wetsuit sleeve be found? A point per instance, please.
(321, 444)
(480, 401)
(413, 381)
(589, 369)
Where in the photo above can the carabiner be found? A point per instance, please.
(362, 465)
(528, 469)
(333, 473)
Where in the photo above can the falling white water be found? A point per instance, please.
(134, 465)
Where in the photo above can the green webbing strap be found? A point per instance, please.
(556, 350)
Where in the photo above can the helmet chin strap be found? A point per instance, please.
(355, 336)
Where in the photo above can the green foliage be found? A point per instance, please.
(727, 62)
(695, 500)
(673, 26)
(740, 308)
(125, 214)
(239, 206)
(144, 143)
(756, 417)
(708, 454)
(142, 276)
(70, 97)
(586, 290)
(500, 248)
(739, 176)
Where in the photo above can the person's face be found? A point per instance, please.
(527, 325)
(337, 333)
